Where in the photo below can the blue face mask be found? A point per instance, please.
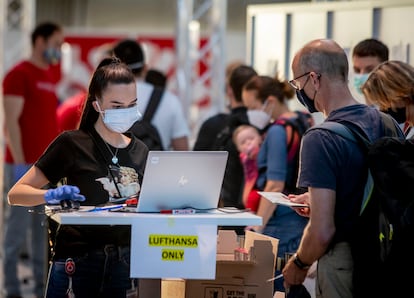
(306, 101)
(52, 55)
(359, 80)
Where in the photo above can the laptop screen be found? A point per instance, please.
(182, 179)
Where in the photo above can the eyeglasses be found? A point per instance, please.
(295, 84)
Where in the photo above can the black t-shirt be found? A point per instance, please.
(209, 130)
(84, 160)
(232, 189)
(209, 139)
(341, 164)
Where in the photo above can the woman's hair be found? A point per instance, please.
(109, 71)
(238, 77)
(391, 81)
(267, 86)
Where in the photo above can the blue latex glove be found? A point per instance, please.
(65, 192)
(19, 170)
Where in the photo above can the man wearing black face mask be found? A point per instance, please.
(332, 168)
(301, 95)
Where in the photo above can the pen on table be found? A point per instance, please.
(110, 207)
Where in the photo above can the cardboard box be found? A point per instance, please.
(239, 278)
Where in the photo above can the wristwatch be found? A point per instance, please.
(299, 263)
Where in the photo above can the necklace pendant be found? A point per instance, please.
(114, 160)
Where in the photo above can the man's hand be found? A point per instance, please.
(301, 199)
(292, 274)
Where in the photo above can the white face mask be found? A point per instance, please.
(258, 118)
(120, 120)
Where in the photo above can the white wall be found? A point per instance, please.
(350, 22)
(398, 31)
(277, 31)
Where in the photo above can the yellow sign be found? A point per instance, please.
(172, 255)
(173, 240)
(186, 249)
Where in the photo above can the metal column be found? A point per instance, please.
(18, 20)
(190, 21)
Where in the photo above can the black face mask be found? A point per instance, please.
(398, 115)
(306, 101)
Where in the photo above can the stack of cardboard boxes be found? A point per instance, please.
(241, 272)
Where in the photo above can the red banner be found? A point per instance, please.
(83, 53)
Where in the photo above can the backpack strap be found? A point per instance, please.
(153, 103)
(352, 134)
(289, 129)
(338, 128)
(294, 127)
(391, 129)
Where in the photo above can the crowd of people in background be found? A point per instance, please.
(269, 150)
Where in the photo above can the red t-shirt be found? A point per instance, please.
(38, 125)
(70, 111)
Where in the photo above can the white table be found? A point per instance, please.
(151, 288)
(219, 218)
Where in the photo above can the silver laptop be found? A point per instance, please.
(182, 179)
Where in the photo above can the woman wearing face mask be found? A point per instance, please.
(277, 160)
(93, 162)
(390, 86)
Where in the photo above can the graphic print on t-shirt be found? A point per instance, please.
(121, 183)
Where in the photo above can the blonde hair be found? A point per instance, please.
(390, 82)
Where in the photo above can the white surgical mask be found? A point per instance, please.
(258, 118)
(120, 120)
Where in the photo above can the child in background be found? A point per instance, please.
(248, 140)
